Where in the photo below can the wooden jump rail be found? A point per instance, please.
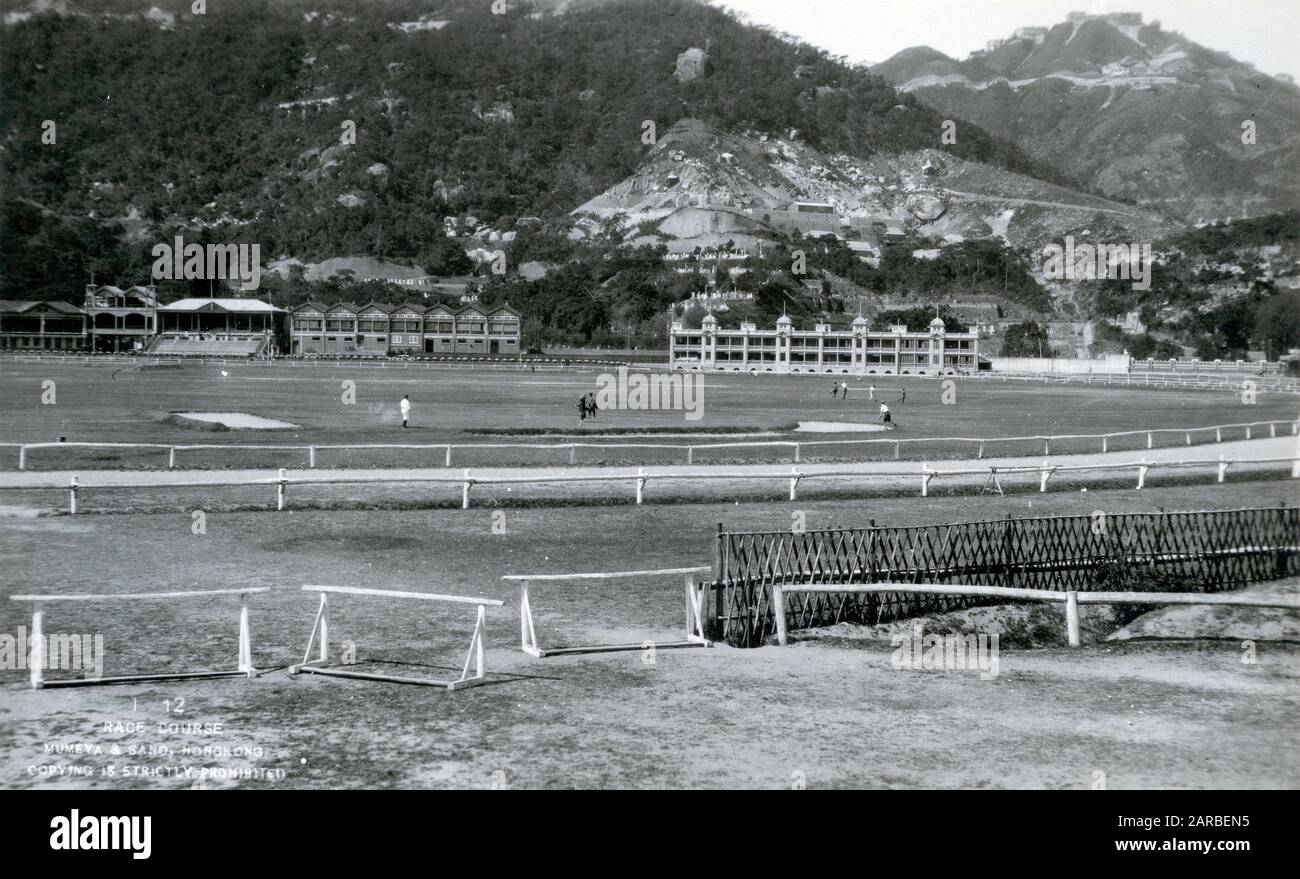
(37, 659)
(796, 446)
(474, 656)
(528, 641)
(1072, 598)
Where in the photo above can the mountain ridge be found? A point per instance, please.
(1132, 111)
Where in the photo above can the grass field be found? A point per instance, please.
(113, 403)
(1174, 708)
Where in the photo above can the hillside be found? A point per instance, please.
(168, 121)
(1129, 110)
(701, 186)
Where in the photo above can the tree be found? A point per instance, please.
(1028, 339)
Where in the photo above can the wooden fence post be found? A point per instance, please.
(981, 451)
(778, 611)
(22, 457)
(796, 453)
(447, 461)
(794, 483)
(640, 484)
(1142, 473)
(311, 456)
(1148, 439)
(1104, 443)
(464, 492)
(690, 454)
(1042, 479)
(324, 627)
(36, 658)
(926, 476)
(245, 641)
(573, 454)
(279, 491)
(1223, 468)
(1072, 618)
(171, 458)
(72, 495)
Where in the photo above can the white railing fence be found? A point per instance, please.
(467, 481)
(1190, 436)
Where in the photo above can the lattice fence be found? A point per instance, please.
(1198, 551)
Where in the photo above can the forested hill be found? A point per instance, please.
(230, 121)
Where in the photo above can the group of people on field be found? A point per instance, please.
(840, 390)
(587, 407)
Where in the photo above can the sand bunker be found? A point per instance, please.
(236, 420)
(838, 427)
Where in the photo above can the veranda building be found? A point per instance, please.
(379, 329)
(859, 351)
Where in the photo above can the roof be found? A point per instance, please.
(15, 306)
(451, 309)
(243, 306)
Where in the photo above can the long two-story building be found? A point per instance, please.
(859, 351)
(403, 329)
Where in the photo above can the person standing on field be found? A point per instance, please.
(406, 411)
(844, 391)
(885, 417)
(871, 393)
(835, 390)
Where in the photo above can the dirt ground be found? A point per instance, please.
(1172, 705)
(1147, 715)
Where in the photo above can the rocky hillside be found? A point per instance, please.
(1129, 109)
(701, 185)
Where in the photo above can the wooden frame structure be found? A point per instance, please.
(1071, 598)
(473, 657)
(529, 644)
(36, 662)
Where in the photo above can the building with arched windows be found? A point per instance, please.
(120, 320)
(856, 351)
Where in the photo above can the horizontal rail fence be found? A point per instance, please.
(1221, 382)
(442, 453)
(1194, 551)
(640, 479)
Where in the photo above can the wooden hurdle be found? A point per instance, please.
(474, 657)
(37, 660)
(529, 644)
(1071, 598)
